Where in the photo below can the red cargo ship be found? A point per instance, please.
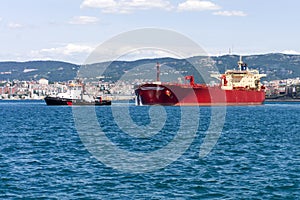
(237, 87)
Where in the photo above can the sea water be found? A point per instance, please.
(44, 156)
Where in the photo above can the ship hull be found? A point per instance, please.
(198, 95)
(56, 101)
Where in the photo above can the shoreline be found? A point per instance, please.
(282, 99)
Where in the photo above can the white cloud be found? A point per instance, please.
(230, 13)
(83, 20)
(74, 53)
(129, 6)
(197, 5)
(13, 25)
(126, 6)
(98, 3)
(146, 53)
(292, 52)
(69, 49)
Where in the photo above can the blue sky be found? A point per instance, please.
(68, 30)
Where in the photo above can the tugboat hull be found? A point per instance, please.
(56, 101)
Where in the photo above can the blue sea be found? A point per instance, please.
(54, 152)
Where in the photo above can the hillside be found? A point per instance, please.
(34, 70)
(276, 66)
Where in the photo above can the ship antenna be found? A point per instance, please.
(157, 71)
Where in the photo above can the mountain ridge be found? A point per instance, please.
(275, 65)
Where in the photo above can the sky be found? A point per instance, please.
(69, 30)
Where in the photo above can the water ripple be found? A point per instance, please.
(256, 157)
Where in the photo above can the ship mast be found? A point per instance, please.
(157, 71)
(240, 63)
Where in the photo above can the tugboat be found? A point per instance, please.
(236, 87)
(75, 97)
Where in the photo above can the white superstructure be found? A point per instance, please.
(75, 92)
(243, 78)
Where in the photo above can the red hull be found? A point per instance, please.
(198, 95)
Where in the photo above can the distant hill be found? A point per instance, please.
(276, 66)
(34, 70)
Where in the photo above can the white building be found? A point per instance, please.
(43, 81)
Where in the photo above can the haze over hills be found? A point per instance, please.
(276, 66)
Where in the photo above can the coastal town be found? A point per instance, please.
(38, 90)
(120, 90)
